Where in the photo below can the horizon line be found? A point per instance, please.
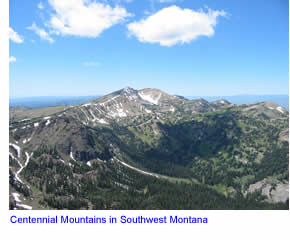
(101, 95)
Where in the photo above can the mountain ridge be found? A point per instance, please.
(158, 134)
(40, 102)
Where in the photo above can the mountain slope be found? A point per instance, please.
(102, 144)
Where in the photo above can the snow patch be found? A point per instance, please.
(102, 121)
(94, 117)
(119, 113)
(22, 167)
(127, 90)
(136, 169)
(24, 206)
(111, 99)
(71, 154)
(280, 109)
(131, 98)
(87, 104)
(16, 197)
(11, 155)
(17, 148)
(85, 115)
(149, 98)
(172, 109)
(24, 120)
(121, 185)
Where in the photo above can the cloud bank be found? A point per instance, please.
(173, 25)
(13, 36)
(84, 18)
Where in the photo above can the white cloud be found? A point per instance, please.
(12, 59)
(40, 5)
(91, 64)
(13, 36)
(41, 33)
(173, 25)
(85, 18)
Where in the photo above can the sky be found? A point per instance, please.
(184, 47)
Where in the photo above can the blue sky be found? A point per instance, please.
(185, 47)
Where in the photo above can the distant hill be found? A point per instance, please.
(51, 101)
(41, 102)
(282, 100)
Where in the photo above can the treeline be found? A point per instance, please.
(113, 186)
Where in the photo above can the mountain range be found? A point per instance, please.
(52, 101)
(146, 149)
